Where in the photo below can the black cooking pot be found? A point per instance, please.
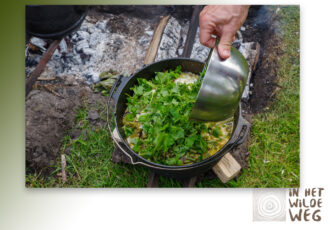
(53, 21)
(117, 105)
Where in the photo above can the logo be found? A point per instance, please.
(305, 205)
(269, 205)
(299, 204)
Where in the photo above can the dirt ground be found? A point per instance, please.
(261, 26)
(51, 110)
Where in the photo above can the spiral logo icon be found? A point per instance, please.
(269, 205)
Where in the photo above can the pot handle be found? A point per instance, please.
(115, 87)
(133, 160)
(111, 114)
(115, 138)
(244, 128)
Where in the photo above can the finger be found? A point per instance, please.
(234, 38)
(206, 29)
(205, 38)
(225, 44)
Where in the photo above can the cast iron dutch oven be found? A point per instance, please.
(117, 105)
(53, 21)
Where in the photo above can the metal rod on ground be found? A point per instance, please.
(192, 31)
(189, 182)
(33, 77)
(153, 180)
(63, 164)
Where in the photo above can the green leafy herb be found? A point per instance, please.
(157, 124)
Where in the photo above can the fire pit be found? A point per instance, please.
(118, 36)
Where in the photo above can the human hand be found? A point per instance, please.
(222, 21)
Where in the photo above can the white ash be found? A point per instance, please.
(62, 48)
(93, 48)
(173, 41)
(170, 40)
(116, 42)
(183, 37)
(199, 51)
(249, 53)
(245, 49)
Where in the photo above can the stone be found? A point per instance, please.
(93, 115)
(39, 42)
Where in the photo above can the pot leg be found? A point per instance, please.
(153, 180)
(190, 182)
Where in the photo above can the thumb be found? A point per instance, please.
(225, 45)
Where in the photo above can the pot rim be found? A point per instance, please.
(62, 33)
(140, 160)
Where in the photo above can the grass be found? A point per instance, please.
(274, 146)
(89, 162)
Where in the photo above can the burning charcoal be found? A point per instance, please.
(34, 49)
(88, 51)
(95, 77)
(83, 27)
(92, 30)
(81, 45)
(56, 54)
(62, 49)
(76, 59)
(80, 35)
(94, 39)
(92, 77)
(63, 46)
(38, 42)
(65, 61)
(83, 35)
(199, 51)
(150, 33)
(102, 25)
(75, 37)
(88, 78)
(30, 62)
(170, 40)
(93, 49)
(144, 41)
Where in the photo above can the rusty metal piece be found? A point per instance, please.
(41, 66)
(63, 165)
(153, 180)
(189, 182)
(194, 21)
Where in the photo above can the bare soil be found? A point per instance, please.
(261, 25)
(50, 113)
